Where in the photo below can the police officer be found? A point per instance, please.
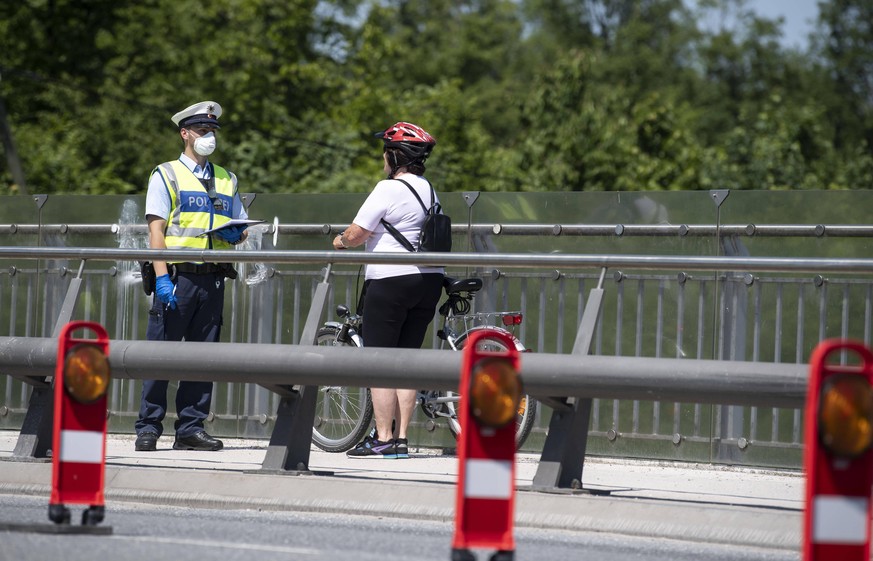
(187, 197)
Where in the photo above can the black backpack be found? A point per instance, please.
(436, 232)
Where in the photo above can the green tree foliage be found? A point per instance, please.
(520, 94)
(845, 40)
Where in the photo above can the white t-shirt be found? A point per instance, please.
(393, 201)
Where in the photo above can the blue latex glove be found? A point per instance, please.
(231, 234)
(164, 288)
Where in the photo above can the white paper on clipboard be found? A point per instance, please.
(234, 222)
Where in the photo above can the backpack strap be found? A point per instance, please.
(401, 239)
(424, 208)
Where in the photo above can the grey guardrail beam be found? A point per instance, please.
(609, 377)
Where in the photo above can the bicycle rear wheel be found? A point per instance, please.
(527, 407)
(342, 414)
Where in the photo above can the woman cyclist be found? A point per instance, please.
(399, 300)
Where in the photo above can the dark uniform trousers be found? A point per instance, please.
(197, 317)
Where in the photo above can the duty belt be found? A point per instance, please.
(199, 268)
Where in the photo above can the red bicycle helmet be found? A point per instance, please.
(411, 140)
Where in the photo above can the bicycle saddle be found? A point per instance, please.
(454, 286)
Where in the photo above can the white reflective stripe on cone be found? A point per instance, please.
(81, 446)
(488, 479)
(839, 520)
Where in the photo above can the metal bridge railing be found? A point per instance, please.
(722, 308)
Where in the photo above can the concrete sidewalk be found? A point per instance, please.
(712, 504)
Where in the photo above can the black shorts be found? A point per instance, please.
(398, 310)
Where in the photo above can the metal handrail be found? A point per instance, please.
(511, 260)
(619, 230)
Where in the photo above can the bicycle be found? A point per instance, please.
(343, 415)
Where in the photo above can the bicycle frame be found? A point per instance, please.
(434, 404)
(349, 328)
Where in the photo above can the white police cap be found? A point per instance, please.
(203, 113)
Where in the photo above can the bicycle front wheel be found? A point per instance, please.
(342, 414)
(527, 407)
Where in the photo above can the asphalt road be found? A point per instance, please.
(142, 531)
(382, 509)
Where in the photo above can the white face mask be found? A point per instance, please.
(205, 145)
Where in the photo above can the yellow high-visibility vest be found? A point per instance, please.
(194, 210)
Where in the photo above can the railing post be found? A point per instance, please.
(563, 455)
(290, 442)
(35, 438)
(732, 320)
